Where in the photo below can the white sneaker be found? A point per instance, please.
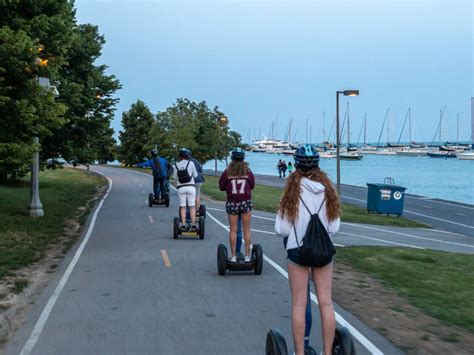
(247, 258)
(233, 259)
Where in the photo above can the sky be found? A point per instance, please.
(270, 61)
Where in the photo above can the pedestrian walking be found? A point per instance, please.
(283, 168)
(290, 167)
(279, 167)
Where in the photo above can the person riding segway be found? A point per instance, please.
(308, 215)
(200, 208)
(238, 181)
(159, 166)
(185, 174)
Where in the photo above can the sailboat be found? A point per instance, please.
(350, 154)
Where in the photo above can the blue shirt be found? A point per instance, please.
(200, 178)
(159, 166)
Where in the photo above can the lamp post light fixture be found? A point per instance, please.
(338, 140)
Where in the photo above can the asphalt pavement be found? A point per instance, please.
(129, 288)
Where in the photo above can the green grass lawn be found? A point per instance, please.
(23, 239)
(266, 198)
(439, 283)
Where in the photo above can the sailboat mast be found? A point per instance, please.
(458, 129)
(365, 130)
(324, 126)
(409, 125)
(440, 124)
(383, 124)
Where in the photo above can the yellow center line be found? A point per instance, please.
(151, 219)
(165, 258)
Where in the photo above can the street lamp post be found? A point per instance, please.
(35, 207)
(338, 143)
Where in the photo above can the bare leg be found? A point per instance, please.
(322, 277)
(182, 213)
(198, 203)
(298, 277)
(192, 212)
(233, 232)
(246, 217)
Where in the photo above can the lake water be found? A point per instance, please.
(448, 179)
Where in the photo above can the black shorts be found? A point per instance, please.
(232, 207)
(293, 255)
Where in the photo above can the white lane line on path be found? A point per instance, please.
(444, 232)
(460, 214)
(439, 219)
(151, 219)
(37, 330)
(428, 207)
(380, 240)
(355, 333)
(439, 202)
(146, 202)
(143, 192)
(409, 235)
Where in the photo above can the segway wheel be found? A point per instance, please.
(202, 227)
(221, 259)
(202, 211)
(258, 254)
(343, 342)
(276, 343)
(151, 197)
(167, 200)
(175, 228)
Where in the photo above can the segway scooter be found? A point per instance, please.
(152, 201)
(256, 259)
(200, 232)
(343, 342)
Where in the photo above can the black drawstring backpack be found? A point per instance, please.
(317, 248)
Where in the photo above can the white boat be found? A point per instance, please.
(412, 152)
(465, 156)
(327, 155)
(351, 156)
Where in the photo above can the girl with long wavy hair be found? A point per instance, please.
(238, 181)
(309, 186)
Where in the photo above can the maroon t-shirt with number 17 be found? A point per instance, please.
(238, 188)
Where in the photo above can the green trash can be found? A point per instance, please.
(386, 198)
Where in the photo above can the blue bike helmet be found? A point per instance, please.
(238, 154)
(184, 153)
(154, 153)
(306, 158)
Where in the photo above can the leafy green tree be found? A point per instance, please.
(195, 126)
(31, 33)
(88, 93)
(136, 123)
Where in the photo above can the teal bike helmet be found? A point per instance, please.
(238, 154)
(306, 158)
